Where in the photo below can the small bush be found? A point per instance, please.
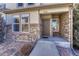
(26, 49)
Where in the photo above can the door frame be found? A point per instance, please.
(51, 34)
(51, 30)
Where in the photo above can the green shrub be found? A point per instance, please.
(76, 28)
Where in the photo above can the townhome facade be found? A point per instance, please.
(30, 23)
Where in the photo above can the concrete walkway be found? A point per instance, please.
(52, 46)
(60, 41)
(45, 48)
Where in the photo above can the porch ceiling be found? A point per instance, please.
(33, 8)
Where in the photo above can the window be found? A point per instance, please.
(16, 24)
(21, 23)
(25, 22)
(20, 4)
(16, 27)
(30, 3)
(55, 25)
(25, 27)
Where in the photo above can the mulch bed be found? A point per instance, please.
(21, 48)
(76, 51)
(63, 51)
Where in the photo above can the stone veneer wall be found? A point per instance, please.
(34, 33)
(28, 37)
(64, 24)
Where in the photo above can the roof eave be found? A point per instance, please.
(35, 8)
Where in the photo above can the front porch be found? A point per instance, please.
(55, 25)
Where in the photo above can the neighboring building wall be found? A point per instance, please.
(14, 5)
(11, 5)
(25, 5)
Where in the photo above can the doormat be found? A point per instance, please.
(45, 36)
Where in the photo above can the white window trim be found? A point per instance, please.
(26, 23)
(20, 28)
